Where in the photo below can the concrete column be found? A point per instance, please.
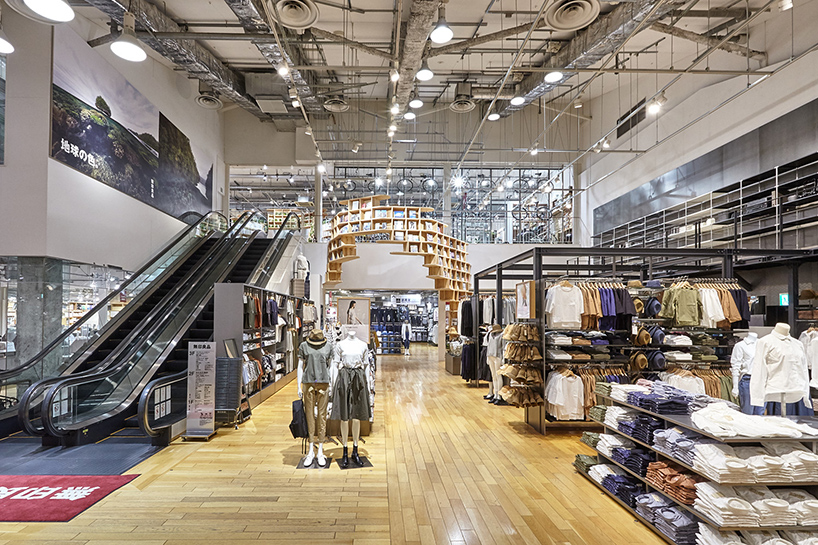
(318, 205)
(39, 310)
(447, 197)
(225, 196)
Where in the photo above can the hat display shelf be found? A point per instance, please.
(372, 220)
(522, 364)
(264, 346)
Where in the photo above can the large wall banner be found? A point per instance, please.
(103, 127)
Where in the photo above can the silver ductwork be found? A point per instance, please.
(421, 18)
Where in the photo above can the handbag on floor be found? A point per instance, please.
(298, 427)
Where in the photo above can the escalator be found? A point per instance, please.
(86, 344)
(102, 401)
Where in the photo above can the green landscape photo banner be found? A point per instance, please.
(103, 127)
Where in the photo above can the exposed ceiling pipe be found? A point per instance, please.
(253, 18)
(422, 16)
(318, 33)
(488, 93)
(730, 47)
(492, 37)
(600, 38)
(187, 54)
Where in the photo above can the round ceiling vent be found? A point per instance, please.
(336, 104)
(567, 15)
(462, 104)
(209, 102)
(297, 14)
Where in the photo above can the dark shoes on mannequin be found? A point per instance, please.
(345, 459)
(488, 396)
(500, 401)
(356, 458)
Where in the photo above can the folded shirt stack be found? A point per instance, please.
(678, 340)
(772, 510)
(804, 504)
(600, 471)
(704, 339)
(641, 428)
(720, 463)
(603, 388)
(669, 478)
(678, 355)
(804, 462)
(722, 421)
(580, 356)
(635, 459)
(767, 468)
(580, 341)
(764, 538)
(601, 356)
(658, 404)
(678, 443)
(614, 415)
(590, 438)
(800, 538)
(608, 442)
(601, 342)
(620, 392)
(583, 462)
(624, 487)
(557, 339)
(557, 354)
(721, 504)
(597, 412)
(648, 505)
(709, 536)
(677, 525)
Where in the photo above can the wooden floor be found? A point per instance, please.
(448, 468)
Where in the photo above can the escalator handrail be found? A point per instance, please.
(145, 398)
(263, 268)
(33, 390)
(224, 246)
(48, 399)
(104, 302)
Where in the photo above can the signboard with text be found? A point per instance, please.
(201, 389)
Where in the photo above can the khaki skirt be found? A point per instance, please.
(350, 398)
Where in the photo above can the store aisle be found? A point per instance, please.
(448, 468)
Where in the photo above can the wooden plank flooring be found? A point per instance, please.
(448, 468)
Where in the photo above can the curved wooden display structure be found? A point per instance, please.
(369, 219)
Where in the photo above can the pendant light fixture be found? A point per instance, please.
(553, 77)
(127, 47)
(442, 33)
(493, 116)
(415, 102)
(518, 101)
(50, 12)
(425, 73)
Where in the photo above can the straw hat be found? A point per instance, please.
(496, 328)
(807, 294)
(453, 332)
(638, 305)
(635, 284)
(316, 338)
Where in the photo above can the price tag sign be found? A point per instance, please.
(201, 389)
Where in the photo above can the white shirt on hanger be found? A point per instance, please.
(809, 339)
(564, 306)
(779, 371)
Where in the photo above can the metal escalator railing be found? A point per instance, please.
(163, 402)
(29, 409)
(77, 402)
(264, 271)
(68, 348)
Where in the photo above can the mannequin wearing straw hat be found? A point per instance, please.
(314, 359)
(350, 392)
(494, 357)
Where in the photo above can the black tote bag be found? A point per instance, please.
(298, 427)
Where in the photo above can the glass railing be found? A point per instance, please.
(76, 402)
(85, 334)
(162, 404)
(261, 275)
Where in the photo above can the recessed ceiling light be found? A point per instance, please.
(553, 77)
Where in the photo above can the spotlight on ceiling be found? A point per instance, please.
(356, 147)
(294, 98)
(534, 151)
(394, 75)
(442, 33)
(578, 102)
(500, 188)
(393, 127)
(415, 102)
(44, 11)
(378, 182)
(553, 77)
(405, 182)
(548, 187)
(388, 171)
(493, 116)
(409, 115)
(458, 181)
(518, 101)
(425, 73)
(784, 5)
(323, 193)
(390, 134)
(395, 109)
(655, 105)
(283, 70)
(126, 46)
(308, 131)
(485, 183)
(321, 168)
(606, 143)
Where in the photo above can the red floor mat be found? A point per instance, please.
(53, 498)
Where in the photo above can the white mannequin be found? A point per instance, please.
(782, 329)
(405, 335)
(780, 371)
(748, 348)
(350, 352)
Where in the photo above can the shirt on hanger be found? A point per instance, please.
(563, 306)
